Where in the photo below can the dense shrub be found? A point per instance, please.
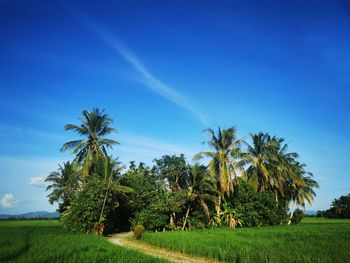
(154, 217)
(86, 206)
(297, 216)
(257, 209)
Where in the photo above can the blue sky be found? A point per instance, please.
(166, 70)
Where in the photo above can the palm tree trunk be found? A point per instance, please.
(103, 207)
(184, 224)
(291, 213)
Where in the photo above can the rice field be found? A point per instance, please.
(47, 241)
(314, 240)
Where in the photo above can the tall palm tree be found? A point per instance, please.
(301, 188)
(107, 171)
(268, 163)
(223, 166)
(63, 184)
(279, 165)
(257, 158)
(94, 126)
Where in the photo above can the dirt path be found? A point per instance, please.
(126, 240)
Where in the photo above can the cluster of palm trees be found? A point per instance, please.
(265, 164)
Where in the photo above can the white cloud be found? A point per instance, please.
(38, 181)
(147, 79)
(7, 201)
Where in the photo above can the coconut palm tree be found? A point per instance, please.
(201, 190)
(279, 165)
(257, 158)
(223, 166)
(268, 162)
(63, 184)
(301, 189)
(94, 126)
(108, 171)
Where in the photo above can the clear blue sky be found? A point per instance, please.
(166, 70)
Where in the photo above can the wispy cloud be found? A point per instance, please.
(38, 181)
(147, 79)
(7, 201)
(10, 131)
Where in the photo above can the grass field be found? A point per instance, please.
(314, 240)
(47, 241)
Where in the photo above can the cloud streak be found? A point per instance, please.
(147, 79)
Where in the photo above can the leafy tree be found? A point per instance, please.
(146, 187)
(93, 206)
(94, 125)
(63, 184)
(256, 208)
(173, 170)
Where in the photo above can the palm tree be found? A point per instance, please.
(223, 165)
(108, 171)
(63, 184)
(200, 190)
(301, 188)
(279, 165)
(268, 163)
(94, 125)
(257, 158)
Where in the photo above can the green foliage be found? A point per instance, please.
(63, 183)
(94, 126)
(146, 187)
(173, 170)
(340, 208)
(257, 208)
(297, 216)
(86, 206)
(198, 220)
(154, 217)
(249, 185)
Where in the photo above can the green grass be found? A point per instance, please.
(48, 241)
(314, 240)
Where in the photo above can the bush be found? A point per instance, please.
(84, 213)
(257, 209)
(197, 220)
(297, 216)
(154, 217)
(138, 231)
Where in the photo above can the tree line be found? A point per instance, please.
(340, 208)
(244, 183)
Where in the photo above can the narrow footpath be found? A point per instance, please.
(126, 240)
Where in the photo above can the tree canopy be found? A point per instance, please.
(244, 183)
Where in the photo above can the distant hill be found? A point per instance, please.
(31, 215)
(310, 212)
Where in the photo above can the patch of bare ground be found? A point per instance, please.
(126, 240)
